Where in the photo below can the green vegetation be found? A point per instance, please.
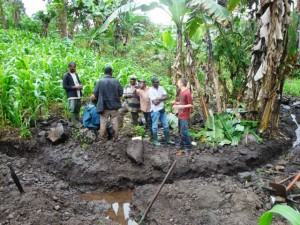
(292, 87)
(285, 211)
(224, 129)
(31, 71)
(140, 131)
(209, 43)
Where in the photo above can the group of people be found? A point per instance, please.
(106, 105)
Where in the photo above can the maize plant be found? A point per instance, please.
(31, 70)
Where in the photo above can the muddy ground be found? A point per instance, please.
(207, 187)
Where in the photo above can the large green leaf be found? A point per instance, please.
(168, 41)
(193, 25)
(287, 212)
(124, 8)
(177, 9)
(232, 5)
(213, 9)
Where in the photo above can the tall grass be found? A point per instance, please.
(31, 70)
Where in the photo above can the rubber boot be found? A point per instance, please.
(155, 140)
(168, 139)
(73, 119)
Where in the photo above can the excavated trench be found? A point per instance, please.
(205, 188)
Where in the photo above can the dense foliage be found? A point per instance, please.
(31, 74)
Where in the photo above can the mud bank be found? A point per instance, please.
(204, 188)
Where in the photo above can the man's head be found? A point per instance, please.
(132, 79)
(93, 99)
(142, 83)
(182, 82)
(155, 82)
(72, 67)
(108, 71)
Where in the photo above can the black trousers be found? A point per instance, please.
(148, 119)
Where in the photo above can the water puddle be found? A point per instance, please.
(297, 131)
(120, 205)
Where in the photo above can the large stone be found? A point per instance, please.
(245, 176)
(135, 151)
(160, 161)
(57, 134)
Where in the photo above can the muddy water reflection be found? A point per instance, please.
(120, 205)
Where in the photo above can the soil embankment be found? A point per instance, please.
(207, 187)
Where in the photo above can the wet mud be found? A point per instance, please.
(62, 182)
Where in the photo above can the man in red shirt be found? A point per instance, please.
(184, 107)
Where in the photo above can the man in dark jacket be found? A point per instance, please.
(108, 92)
(73, 87)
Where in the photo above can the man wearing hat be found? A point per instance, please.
(143, 93)
(108, 92)
(132, 102)
(158, 95)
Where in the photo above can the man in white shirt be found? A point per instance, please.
(73, 87)
(158, 95)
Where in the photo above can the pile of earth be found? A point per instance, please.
(213, 185)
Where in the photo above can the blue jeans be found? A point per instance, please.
(184, 133)
(155, 116)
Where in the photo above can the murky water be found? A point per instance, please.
(297, 131)
(120, 205)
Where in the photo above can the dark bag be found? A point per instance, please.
(162, 111)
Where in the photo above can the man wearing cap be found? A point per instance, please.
(73, 87)
(143, 93)
(158, 95)
(108, 92)
(132, 102)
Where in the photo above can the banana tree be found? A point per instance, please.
(269, 63)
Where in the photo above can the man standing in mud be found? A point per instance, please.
(158, 95)
(108, 92)
(73, 87)
(184, 107)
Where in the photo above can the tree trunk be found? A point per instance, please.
(213, 72)
(191, 75)
(178, 65)
(16, 12)
(3, 16)
(266, 75)
(62, 18)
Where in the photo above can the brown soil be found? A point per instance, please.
(204, 188)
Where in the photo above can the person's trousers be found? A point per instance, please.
(155, 116)
(148, 120)
(74, 106)
(184, 133)
(134, 116)
(104, 117)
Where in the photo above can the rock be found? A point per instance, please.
(160, 161)
(245, 176)
(42, 133)
(279, 168)
(285, 100)
(57, 207)
(57, 134)
(243, 152)
(135, 151)
(55, 198)
(268, 206)
(10, 216)
(269, 166)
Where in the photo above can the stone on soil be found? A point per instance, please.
(135, 151)
(245, 176)
(57, 134)
(160, 161)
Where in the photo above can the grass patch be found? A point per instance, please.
(292, 87)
